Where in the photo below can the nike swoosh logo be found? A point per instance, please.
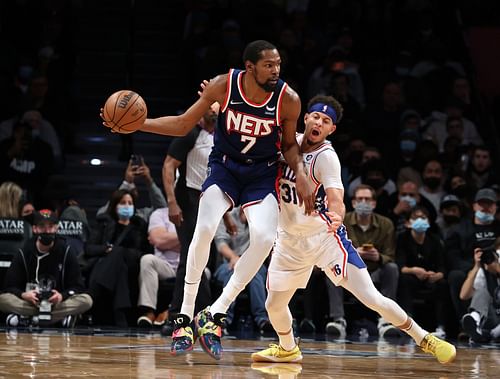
(235, 102)
(270, 109)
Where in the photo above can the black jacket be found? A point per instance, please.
(29, 266)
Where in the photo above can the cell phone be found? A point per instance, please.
(367, 246)
(489, 256)
(136, 160)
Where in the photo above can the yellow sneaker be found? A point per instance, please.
(275, 353)
(283, 370)
(444, 352)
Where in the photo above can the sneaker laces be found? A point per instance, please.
(430, 343)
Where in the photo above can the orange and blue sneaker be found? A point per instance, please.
(209, 330)
(183, 337)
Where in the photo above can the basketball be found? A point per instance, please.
(125, 111)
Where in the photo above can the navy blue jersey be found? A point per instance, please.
(246, 130)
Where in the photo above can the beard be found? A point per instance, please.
(268, 86)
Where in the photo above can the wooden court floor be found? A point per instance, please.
(53, 353)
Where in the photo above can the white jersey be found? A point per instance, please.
(322, 167)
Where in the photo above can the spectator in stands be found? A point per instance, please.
(450, 214)
(41, 128)
(230, 247)
(432, 183)
(44, 264)
(456, 184)
(482, 287)
(480, 231)
(480, 172)
(436, 131)
(421, 259)
(374, 237)
(158, 266)
(14, 231)
(137, 168)
(115, 248)
(189, 155)
(403, 202)
(374, 174)
(26, 160)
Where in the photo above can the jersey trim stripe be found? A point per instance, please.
(250, 203)
(248, 101)
(228, 90)
(344, 251)
(279, 104)
(315, 180)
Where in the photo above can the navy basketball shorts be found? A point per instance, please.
(244, 182)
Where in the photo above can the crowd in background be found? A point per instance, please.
(418, 163)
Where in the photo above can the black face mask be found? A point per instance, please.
(461, 191)
(451, 219)
(46, 239)
(375, 183)
(432, 182)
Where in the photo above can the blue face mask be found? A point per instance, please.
(363, 208)
(484, 218)
(420, 225)
(125, 211)
(410, 200)
(407, 145)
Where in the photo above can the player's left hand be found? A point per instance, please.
(335, 221)
(203, 85)
(305, 193)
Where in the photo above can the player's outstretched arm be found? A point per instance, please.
(291, 150)
(180, 125)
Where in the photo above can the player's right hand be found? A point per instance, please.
(305, 193)
(203, 85)
(105, 122)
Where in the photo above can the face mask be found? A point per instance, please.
(46, 239)
(432, 182)
(450, 219)
(461, 191)
(125, 211)
(420, 225)
(484, 218)
(407, 145)
(375, 183)
(410, 200)
(363, 208)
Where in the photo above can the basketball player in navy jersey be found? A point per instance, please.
(257, 122)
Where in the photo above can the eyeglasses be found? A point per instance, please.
(363, 198)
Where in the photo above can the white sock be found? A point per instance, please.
(414, 330)
(188, 303)
(287, 340)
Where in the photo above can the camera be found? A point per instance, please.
(45, 287)
(489, 255)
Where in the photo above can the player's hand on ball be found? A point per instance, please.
(203, 85)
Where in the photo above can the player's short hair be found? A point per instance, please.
(328, 100)
(253, 51)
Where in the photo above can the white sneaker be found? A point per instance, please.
(336, 328)
(12, 320)
(386, 329)
(439, 332)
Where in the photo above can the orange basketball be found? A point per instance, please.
(125, 111)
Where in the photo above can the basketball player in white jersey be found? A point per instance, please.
(320, 239)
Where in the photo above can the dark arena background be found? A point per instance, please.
(419, 81)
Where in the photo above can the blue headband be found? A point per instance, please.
(324, 108)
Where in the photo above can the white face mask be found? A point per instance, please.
(363, 208)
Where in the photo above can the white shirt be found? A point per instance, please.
(322, 167)
(197, 160)
(159, 218)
